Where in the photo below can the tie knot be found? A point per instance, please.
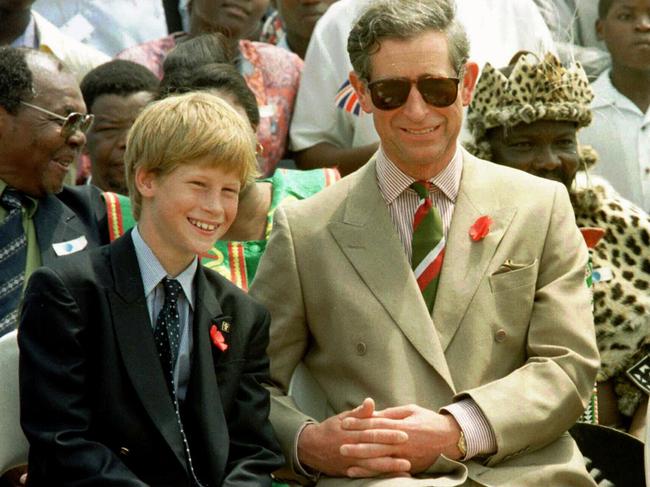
(172, 288)
(421, 188)
(11, 199)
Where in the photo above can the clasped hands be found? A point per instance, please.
(364, 442)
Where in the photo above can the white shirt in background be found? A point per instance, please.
(108, 25)
(620, 133)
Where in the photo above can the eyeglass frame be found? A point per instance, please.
(414, 82)
(68, 128)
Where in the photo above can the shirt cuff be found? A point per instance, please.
(313, 476)
(479, 437)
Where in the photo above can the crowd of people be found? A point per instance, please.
(428, 216)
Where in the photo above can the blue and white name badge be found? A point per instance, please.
(602, 274)
(70, 247)
(640, 374)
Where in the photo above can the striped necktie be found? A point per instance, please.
(428, 245)
(13, 257)
(167, 336)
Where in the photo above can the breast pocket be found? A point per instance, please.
(513, 276)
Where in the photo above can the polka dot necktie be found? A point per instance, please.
(428, 244)
(168, 331)
(13, 256)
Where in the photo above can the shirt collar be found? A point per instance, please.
(393, 182)
(30, 204)
(153, 272)
(605, 94)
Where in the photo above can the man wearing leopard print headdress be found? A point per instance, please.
(526, 116)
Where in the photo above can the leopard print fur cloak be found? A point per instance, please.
(622, 304)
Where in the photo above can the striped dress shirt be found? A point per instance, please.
(402, 203)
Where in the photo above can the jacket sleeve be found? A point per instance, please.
(537, 402)
(54, 385)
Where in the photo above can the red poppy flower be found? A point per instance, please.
(480, 228)
(217, 339)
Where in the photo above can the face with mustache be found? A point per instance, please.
(545, 148)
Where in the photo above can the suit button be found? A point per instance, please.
(361, 348)
(124, 451)
(500, 335)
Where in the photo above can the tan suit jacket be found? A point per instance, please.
(512, 324)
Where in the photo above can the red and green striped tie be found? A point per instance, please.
(428, 244)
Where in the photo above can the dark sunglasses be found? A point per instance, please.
(70, 124)
(392, 93)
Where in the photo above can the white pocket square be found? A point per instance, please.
(71, 246)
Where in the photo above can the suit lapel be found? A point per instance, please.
(136, 343)
(368, 238)
(54, 223)
(203, 399)
(466, 261)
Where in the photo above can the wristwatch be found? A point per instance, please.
(462, 445)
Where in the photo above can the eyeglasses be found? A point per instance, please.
(392, 93)
(70, 124)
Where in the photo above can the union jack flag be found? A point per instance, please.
(346, 99)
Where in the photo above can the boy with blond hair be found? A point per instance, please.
(138, 366)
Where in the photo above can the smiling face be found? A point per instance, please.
(34, 157)
(545, 148)
(626, 32)
(236, 19)
(186, 211)
(419, 138)
(114, 115)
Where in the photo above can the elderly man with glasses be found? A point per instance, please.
(438, 300)
(43, 122)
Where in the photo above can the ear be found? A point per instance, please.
(362, 92)
(599, 29)
(468, 82)
(146, 182)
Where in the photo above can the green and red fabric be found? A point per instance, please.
(428, 244)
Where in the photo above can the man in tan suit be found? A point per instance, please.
(479, 391)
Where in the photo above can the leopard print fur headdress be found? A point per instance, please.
(534, 90)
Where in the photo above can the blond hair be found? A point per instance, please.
(187, 129)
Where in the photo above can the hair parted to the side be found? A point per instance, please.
(405, 19)
(189, 129)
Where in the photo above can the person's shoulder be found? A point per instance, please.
(270, 55)
(87, 203)
(302, 184)
(81, 270)
(340, 16)
(232, 299)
